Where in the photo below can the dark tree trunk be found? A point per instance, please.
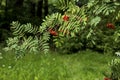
(6, 18)
(19, 3)
(45, 7)
(6, 8)
(39, 9)
(18, 8)
(32, 9)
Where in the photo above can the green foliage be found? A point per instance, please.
(51, 21)
(63, 4)
(66, 29)
(88, 25)
(106, 8)
(74, 43)
(21, 30)
(20, 48)
(27, 37)
(94, 25)
(115, 69)
(106, 12)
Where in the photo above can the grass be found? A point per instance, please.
(85, 65)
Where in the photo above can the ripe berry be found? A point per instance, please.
(52, 32)
(107, 78)
(65, 18)
(110, 25)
